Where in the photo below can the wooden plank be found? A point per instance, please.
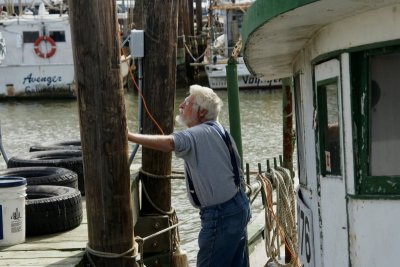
(47, 246)
(41, 262)
(40, 254)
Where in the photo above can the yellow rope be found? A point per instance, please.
(282, 222)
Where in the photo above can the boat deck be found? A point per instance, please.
(60, 249)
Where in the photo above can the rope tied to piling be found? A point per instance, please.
(109, 255)
(172, 218)
(281, 223)
(161, 176)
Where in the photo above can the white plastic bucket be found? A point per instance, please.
(12, 210)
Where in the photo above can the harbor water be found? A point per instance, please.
(29, 122)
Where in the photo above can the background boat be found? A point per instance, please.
(37, 56)
(225, 23)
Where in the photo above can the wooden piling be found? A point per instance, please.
(199, 17)
(96, 51)
(185, 33)
(159, 91)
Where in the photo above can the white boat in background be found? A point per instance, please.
(36, 57)
(226, 21)
(216, 74)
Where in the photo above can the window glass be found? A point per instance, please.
(30, 37)
(384, 92)
(57, 36)
(329, 129)
(332, 144)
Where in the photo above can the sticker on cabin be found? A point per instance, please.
(305, 232)
(328, 166)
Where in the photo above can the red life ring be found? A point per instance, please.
(45, 39)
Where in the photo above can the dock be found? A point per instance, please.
(59, 249)
(67, 248)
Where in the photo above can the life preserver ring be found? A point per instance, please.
(45, 39)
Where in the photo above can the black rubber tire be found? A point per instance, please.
(52, 209)
(65, 145)
(44, 175)
(69, 159)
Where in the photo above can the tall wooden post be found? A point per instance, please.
(159, 91)
(138, 15)
(191, 14)
(185, 33)
(199, 17)
(96, 50)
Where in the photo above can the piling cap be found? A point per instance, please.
(11, 181)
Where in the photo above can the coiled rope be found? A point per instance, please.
(282, 222)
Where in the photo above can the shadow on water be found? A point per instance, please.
(24, 123)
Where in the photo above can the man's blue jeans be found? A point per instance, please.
(222, 238)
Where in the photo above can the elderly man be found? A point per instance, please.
(213, 177)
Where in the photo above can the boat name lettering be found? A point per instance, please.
(251, 80)
(49, 80)
(34, 89)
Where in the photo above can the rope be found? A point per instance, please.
(109, 255)
(237, 49)
(173, 221)
(191, 55)
(159, 176)
(282, 222)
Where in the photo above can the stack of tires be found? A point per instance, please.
(54, 174)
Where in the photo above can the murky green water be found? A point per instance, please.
(24, 123)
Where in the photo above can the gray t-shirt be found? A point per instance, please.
(209, 162)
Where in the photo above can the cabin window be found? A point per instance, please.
(299, 125)
(379, 129)
(328, 127)
(30, 37)
(57, 36)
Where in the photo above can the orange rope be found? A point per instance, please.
(141, 95)
(270, 207)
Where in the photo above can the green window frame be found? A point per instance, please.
(362, 104)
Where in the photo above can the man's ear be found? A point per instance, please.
(202, 114)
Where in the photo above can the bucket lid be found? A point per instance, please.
(11, 181)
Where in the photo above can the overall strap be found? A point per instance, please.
(191, 187)
(228, 143)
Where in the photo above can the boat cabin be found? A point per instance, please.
(37, 57)
(343, 59)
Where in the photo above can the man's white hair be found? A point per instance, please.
(207, 99)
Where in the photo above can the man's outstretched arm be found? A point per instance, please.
(163, 143)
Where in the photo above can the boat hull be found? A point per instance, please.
(216, 74)
(37, 81)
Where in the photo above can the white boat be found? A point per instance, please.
(216, 74)
(341, 59)
(227, 20)
(36, 57)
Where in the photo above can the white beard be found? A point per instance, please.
(181, 120)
